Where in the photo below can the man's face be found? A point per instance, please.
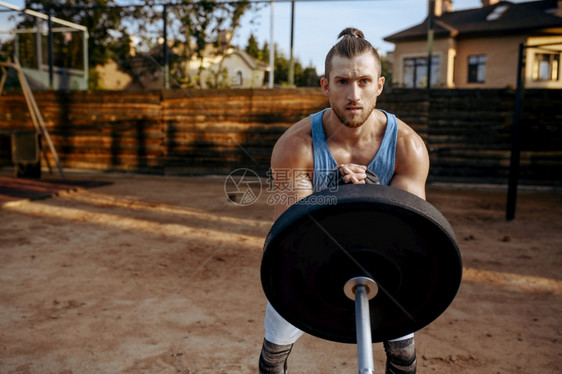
(353, 87)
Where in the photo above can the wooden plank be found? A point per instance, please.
(467, 131)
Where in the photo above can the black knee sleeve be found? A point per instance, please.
(273, 358)
(400, 356)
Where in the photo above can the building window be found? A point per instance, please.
(476, 69)
(415, 71)
(546, 66)
(497, 13)
(238, 79)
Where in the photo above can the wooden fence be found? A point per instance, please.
(194, 132)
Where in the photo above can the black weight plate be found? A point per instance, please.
(399, 240)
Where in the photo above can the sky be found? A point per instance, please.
(318, 23)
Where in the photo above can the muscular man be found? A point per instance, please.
(351, 136)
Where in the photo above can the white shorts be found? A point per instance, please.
(279, 331)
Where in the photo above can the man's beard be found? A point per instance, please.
(356, 120)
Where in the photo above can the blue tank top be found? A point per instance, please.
(324, 163)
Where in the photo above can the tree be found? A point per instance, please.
(304, 77)
(201, 27)
(308, 78)
(386, 67)
(194, 25)
(253, 48)
(103, 21)
(101, 17)
(265, 52)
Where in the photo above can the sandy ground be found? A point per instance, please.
(161, 275)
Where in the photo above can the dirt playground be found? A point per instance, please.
(148, 274)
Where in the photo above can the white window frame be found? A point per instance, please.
(546, 67)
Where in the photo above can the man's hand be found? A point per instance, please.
(353, 173)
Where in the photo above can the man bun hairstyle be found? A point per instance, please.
(350, 31)
(351, 43)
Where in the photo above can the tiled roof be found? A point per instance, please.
(511, 18)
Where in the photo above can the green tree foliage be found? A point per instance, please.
(107, 37)
(303, 77)
(265, 52)
(193, 26)
(253, 48)
(99, 16)
(308, 78)
(386, 68)
(197, 26)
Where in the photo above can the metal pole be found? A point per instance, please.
(291, 59)
(39, 43)
(85, 54)
(50, 48)
(17, 47)
(165, 48)
(514, 164)
(271, 48)
(431, 14)
(363, 327)
(36, 114)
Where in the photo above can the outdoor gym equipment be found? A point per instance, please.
(392, 253)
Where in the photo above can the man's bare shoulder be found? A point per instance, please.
(294, 147)
(411, 151)
(407, 136)
(411, 167)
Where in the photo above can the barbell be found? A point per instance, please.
(394, 247)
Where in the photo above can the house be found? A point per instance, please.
(479, 48)
(236, 69)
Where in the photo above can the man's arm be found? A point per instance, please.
(412, 162)
(291, 168)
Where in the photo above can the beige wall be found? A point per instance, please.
(233, 63)
(250, 78)
(111, 78)
(441, 48)
(501, 61)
